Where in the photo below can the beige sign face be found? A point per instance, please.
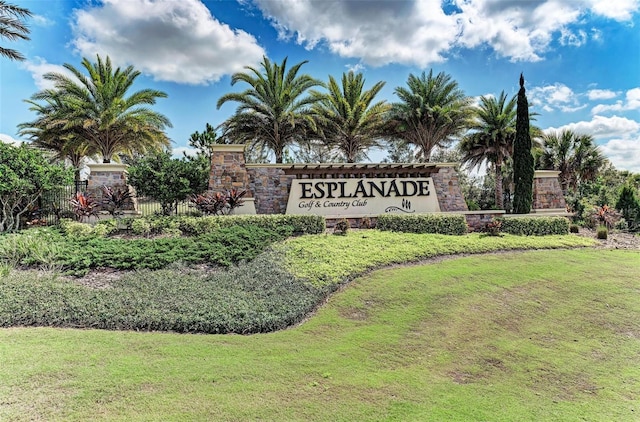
(362, 197)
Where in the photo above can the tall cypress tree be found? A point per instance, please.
(523, 165)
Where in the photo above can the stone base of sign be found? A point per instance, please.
(109, 174)
(547, 192)
(248, 207)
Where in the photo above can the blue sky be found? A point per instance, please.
(580, 58)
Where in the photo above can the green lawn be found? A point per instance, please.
(541, 335)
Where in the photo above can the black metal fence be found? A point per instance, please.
(148, 206)
(55, 204)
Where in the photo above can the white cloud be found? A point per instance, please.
(9, 140)
(624, 153)
(632, 102)
(619, 139)
(355, 68)
(379, 32)
(40, 20)
(419, 32)
(177, 41)
(39, 68)
(180, 152)
(603, 127)
(555, 97)
(620, 10)
(573, 39)
(601, 94)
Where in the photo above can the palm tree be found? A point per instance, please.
(432, 112)
(347, 119)
(96, 111)
(575, 156)
(44, 134)
(494, 130)
(272, 113)
(13, 28)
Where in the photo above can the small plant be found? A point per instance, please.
(218, 203)
(141, 226)
(602, 233)
(209, 203)
(342, 227)
(493, 227)
(234, 198)
(605, 216)
(116, 199)
(84, 206)
(574, 228)
(365, 223)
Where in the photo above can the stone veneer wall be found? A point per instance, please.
(109, 174)
(228, 169)
(547, 192)
(448, 190)
(270, 186)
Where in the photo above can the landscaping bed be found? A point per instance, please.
(238, 279)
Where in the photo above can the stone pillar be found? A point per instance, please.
(448, 189)
(108, 174)
(229, 171)
(547, 192)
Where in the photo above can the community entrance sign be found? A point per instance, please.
(359, 197)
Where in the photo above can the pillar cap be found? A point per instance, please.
(228, 148)
(546, 173)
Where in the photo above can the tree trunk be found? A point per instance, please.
(499, 190)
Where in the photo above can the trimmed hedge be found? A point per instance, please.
(452, 224)
(299, 224)
(535, 226)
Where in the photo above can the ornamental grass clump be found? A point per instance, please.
(602, 233)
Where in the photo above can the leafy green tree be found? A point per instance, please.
(273, 112)
(523, 165)
(25, 175)
(348, 119)
(316, 151)
(629, 206)
(432, 112)
(575, 156)
(97, 111)
(168, 180)
(12, 28)
(492, 137)
(204, 142)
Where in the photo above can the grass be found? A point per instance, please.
(459, 340)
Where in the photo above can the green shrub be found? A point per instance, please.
(602, 233)
(109, 226)
(141, 226)
(621, 224)
(452, 224)
(41, 248)
(225, 247)
(574, 228)
(76, 229)
(189, 225)
(535, 226)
